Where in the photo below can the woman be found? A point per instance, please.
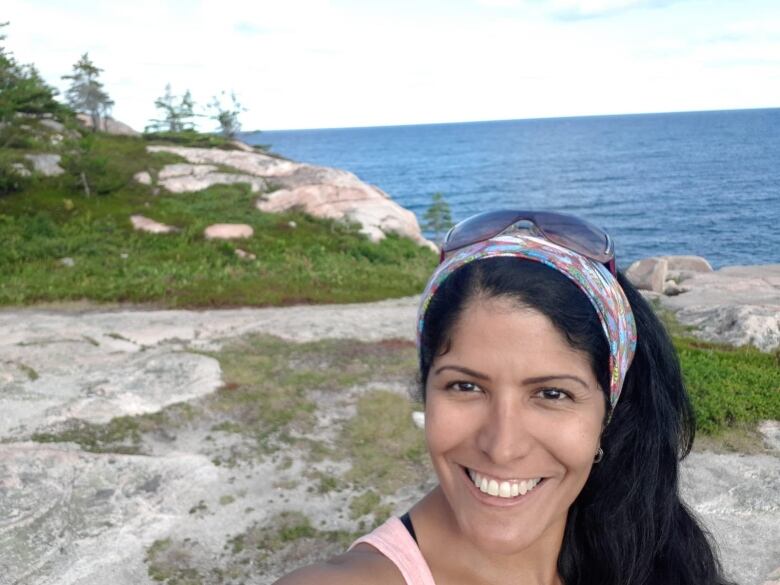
(555, 417)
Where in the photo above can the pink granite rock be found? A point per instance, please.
(144, 224)
(228, 231)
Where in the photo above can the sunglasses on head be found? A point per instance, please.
(565, 230)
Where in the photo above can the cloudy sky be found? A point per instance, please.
(339, 63)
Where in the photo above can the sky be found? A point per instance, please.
(345, 63)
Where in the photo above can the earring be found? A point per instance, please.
(599, 455)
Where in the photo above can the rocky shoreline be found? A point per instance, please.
(735, 305)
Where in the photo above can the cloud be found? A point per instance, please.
(580, 9)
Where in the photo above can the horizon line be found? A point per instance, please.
(494, 120)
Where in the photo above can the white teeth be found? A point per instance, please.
(502, 489)
(493, 487)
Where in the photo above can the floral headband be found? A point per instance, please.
(593, 278)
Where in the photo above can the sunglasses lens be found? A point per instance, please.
(575, 234)
(478, 228)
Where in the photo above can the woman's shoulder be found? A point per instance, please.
(363, 564)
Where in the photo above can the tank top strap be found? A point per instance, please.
(393, 540)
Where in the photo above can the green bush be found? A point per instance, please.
(729, 386)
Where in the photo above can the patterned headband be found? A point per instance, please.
(593, 278)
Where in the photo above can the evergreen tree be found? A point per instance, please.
(438, 217)
(178, 113)
(22, 92)
(86, 93)
(226, 115)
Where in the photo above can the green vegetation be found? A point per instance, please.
(438, 217)
(285, 538)
(317, 261)
(730, 386)
(387, 451)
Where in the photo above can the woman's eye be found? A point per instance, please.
(463, 387)
(553, 394)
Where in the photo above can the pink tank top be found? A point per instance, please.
(394, 541)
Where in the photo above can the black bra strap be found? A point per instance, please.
(407, 522)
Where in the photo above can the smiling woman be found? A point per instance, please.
(555, 418)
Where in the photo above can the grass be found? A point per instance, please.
(319, 261)
(387, 451)
(288, 535)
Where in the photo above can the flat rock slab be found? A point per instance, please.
(71, 517)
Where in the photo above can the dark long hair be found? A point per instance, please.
(628, 526)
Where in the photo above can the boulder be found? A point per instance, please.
(47, 165)
(108, 125)
(320, 191)
(144, 224)
(361, 203)
(143, 177)
(648, 274)
(687, 263)
(671, 288)
(737, 305)
(228, 231)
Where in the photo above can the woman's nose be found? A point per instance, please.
(506, 433)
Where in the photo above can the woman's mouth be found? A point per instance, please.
(501, 488)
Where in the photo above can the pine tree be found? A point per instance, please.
(86, 93)
(226, 116)
(178, 113)
(438, 217)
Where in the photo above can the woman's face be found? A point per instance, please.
(514, 408)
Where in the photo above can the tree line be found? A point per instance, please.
(23, 91)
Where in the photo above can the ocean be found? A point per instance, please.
(702, 183)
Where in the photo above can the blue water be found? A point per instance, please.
(703, 183)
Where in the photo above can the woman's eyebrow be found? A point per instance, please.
(540, 379)
(462, 370)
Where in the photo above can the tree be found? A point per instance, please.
(178, 113)
(438, 218)
(226, 115)
(86, 93)
(23, 93)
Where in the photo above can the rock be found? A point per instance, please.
(671, 288)
(108, 125)
(184, 170)
(69, 262)
(371, 208)
(144, 224)
(186, 178)
(242, 146)
(292, 224)
(418, 418)
(228, 231)
(52, 125)
(737, 305)
(47, 165)
(688, 263)
(770, 430)
(21, 170)
(320, 191)
(648, 274)
(143, 177)
(735, 325)
(244, 255)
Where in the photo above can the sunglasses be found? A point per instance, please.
(565, 230)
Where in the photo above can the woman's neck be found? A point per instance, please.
(455, 560)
